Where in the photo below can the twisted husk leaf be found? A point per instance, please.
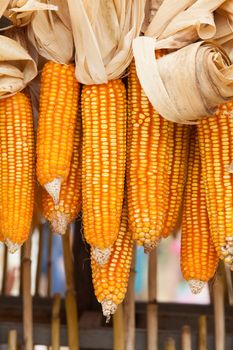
(17, 67)
(189, 83)
(103, 34)
(50, 33)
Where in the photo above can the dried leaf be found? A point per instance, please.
(50, 33)
(17, 67)
(187, 84)
(103, 36)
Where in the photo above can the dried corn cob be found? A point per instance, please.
(177, 176)
(215, 141)
(198, 257)
(69, 205)
(16, 169)
(150, 138)
(103, 163)
(110, 280)
(57, 119)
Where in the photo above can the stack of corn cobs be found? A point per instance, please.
(104, 150)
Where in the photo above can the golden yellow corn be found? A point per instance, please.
(216, 140)
(57, 119)
(199, 259)
(111, 279)
(69, 205)
(103, 163)
(177, 176)
(149, 138)
(16, 169)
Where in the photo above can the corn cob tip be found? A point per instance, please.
(12, 247)
(53, 189)
(196, 286)
(148, 247)
(108, 308)
(59, 223)
(101, 256)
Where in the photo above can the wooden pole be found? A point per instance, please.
(186, 340)
(49, 262)
(21, 270)
(118, 329)
(202, 333)
(39, 259)
(27, 298)
(170, 344)
(129, 308)
(70, 300)
(4, 274)
(56, 322)
(219, 313)
(152, 316)
(12, 340)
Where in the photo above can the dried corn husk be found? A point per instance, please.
(17, 67)
(206, 79)
(50, 33)
(103, 34)
(20, 11)
(187, 84)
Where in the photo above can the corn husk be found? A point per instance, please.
(187, 84)
(20, 12)
(103, 34)
(206, 79)
(50, 33)
(17, 67)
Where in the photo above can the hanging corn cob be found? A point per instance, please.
(110, 280)
(177, 176)
(103, 164)
(69, 205)
(16, 169)
(215, 140)
(57, 119)
(199, 259)
(150, 141)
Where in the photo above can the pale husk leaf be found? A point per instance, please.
(185, 85)
(103, 36)
(50, 33)
(20, 12)
(177, 24)
(17, 67)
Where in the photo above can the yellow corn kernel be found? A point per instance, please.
(177, 176)
(215, 139)
(149, 145)
(69, 205)
(103, 162)
(198, 257)
(111, 279)
(57, 119)
(16, 169)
